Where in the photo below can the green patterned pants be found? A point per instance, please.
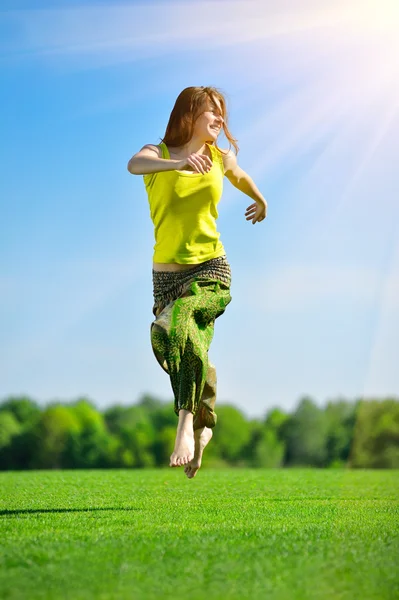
(181, 335)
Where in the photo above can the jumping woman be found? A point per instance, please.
(183, 177)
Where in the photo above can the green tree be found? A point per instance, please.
(17, 438)
(164, 444)
(50, 435)
(25, 410)
(231, 434)
(9, 427)
(341, 416)
(266, 447)
(275, 419)
(164, 416)
(89, 445)
(305, 435)
(376, 435)
(269, 450)
(91, 448)
(150, 403)
(87, 414)
(134, 427)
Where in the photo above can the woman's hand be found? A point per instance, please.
(199, 163)
(257, 211)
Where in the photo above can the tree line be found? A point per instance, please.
(363, 433)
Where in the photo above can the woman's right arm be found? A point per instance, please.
(148, 160)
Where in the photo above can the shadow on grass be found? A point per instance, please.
(31, 511)
(306, 500)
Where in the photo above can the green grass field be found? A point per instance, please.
(226, 534)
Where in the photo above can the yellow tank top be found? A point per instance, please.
(183, 208)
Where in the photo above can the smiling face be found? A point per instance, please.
(210, 121)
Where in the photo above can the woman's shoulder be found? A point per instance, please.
(224, 151)
(154, 148)
(225, 154)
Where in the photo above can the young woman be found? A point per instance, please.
(183, 177)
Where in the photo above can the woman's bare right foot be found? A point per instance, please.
(184, 449)
(184, 445)
(202, 438)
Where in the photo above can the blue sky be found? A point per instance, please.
(313, 97)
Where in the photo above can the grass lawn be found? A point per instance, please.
(224, 535)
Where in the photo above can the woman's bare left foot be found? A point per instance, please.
(202, 437)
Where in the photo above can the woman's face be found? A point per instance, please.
(210, 121)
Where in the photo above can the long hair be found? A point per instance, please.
(187, 109)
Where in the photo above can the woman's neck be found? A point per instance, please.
(194, 145)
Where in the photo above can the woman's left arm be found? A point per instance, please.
(243, 182)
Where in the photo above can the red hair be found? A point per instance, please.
(188, 107)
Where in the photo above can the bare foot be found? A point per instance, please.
(184, 445)
(202, 438)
